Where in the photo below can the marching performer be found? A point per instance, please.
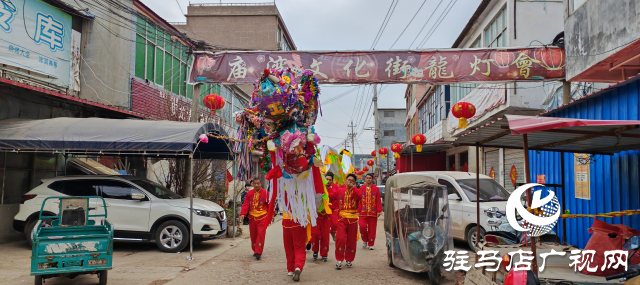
(255, 207)
(369, 210)
(333, 217)
(320, 233)
(346, 199)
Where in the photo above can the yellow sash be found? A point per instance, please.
(258, 213)
(348, 214)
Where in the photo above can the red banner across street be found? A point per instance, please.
(353, 67)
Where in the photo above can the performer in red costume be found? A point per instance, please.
(369, 210)
(255, 206)
(347, 200)
(332, 187)
(320, 233)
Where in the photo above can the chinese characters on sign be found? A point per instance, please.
(490, 259)
(441, 66)
(37, 37)
(581, 168)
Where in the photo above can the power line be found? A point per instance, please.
(385, 25)
(383, 21)
(438, 25)
(405, 28)
(425, 24)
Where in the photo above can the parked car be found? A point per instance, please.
(139, 209)
(461, 188)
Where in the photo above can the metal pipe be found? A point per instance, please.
(411, 157)
(527, 179)
(235, 207)
(477, 198)
(191, 210)
(4, 177)
(564, 226)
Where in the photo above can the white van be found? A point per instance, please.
(461, 187)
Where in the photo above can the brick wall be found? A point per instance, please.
(158, 104)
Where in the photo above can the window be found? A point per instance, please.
(111, 189)
(495, 35)
(161, 59)
(85, 187)
(464, 161)
(477, 43)
(575, 4)
(450, 188)
(156, 189)
(459, 91)
(431, 111)
(389, 114)
(490, 190)
(391, 133)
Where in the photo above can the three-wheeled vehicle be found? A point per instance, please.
(73, 243)
(417, 223)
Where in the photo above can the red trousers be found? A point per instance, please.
(320, 235)
(368, 229)
(295, 240)
(346, 239)
(334, 221)
(257, 230)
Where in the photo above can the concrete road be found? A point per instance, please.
(223, 261)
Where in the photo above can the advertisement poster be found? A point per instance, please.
(581, 169)
(36, 37)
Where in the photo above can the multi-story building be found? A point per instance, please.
(391, 130)
(495, 24)
(254, 26)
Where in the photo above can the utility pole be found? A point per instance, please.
(378, 171)
(353, 146)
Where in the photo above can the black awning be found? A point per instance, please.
(427, 148)
(113, 136)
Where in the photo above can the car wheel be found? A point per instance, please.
(38, 280)
(172, 236)
(390, 257)
(472, 237)
(28, 230)
(102, 275)
(434, 275)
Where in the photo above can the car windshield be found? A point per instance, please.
(490, 190)
(156, 189)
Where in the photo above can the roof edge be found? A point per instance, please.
(483, 5)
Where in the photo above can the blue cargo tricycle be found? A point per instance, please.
(74, 243)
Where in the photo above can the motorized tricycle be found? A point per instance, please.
(73, 243)
(417, 223)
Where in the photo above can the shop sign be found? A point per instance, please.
(36, 37)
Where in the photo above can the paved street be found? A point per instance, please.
(221, 261)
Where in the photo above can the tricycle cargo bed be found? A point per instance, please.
(65, 250)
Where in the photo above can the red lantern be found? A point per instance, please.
(419, 140)
(370, 162)
(213, 102)
(503, 59)
(365, 169)
(397, 149)
(373, 153)
(383, 151)
(463, 111)
(551, 59)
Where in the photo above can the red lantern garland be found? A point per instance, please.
(419, 140)
(463, 111)
(383, 151)
(397, 149)
(370, 162)
(213, 102)
(365, 169)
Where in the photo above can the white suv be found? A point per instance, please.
(139, 209)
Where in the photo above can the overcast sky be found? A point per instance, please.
(353, 25)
